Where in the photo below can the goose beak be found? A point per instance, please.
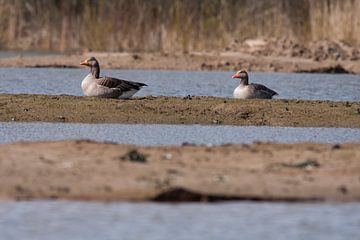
(236, 76)
(85, 62)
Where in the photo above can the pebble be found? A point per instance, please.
(167, 156)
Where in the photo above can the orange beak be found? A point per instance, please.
(236, 76)
(85, 62)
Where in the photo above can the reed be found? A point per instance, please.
(171, 25)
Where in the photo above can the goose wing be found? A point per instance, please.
(264, 89)
(119, 84)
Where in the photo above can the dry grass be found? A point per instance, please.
(178, 25)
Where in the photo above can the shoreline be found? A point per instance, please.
(93, 171)
(193, 61)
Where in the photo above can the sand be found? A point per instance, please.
(178, 110)
(224, 61)
(85, 170)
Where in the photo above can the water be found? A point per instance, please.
(244, 220)
(55, 81)
(156, 134)
(57, 220)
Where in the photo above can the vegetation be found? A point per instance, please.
(170, 25)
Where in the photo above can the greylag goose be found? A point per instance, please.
(106, 87)
(252, 90)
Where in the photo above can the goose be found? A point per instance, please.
(252, 90)
(106, 87)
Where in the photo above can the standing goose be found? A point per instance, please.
(252, 90)
(106, 87)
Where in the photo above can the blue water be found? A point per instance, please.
(55, 81)
(242, 220)
(156, 134)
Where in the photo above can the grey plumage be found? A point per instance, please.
(107, 87)
(252, 90)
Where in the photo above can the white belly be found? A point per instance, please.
(241, 92)
(88, 86)
(91, 89)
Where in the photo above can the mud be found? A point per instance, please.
(250, 59)
(178, 110)
(86, 170)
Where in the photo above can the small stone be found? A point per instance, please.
(336, 146)
(220, 178)
(136, 57)
(134, 156)
(343, 189)
(187, 144)
(173, 171)
(67, 164)
(244, 115)
(19, 189)
(188, 97)
(209, 145)
(167, 156)
(308, 164)
(216, 121)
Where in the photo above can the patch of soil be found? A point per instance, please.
(178, 110)
(89, 170)
(329, 69)
(266, 58)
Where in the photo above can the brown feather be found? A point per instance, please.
(260, 87)
(122, 85)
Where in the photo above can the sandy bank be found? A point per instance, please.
(97, 171)
(228, 61)
(177, 110)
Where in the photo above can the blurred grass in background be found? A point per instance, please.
(170, 25)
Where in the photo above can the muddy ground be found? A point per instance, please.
(264, 55)
(178, 110)
(228, 60)
(86, 170)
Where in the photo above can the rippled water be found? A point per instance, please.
(245, 220)
(156, 134)
(337, 87)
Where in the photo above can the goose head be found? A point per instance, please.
(243, 75)
(91, 61)
(93, 64)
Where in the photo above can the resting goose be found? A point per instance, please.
(106, 87)
(252, 90)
